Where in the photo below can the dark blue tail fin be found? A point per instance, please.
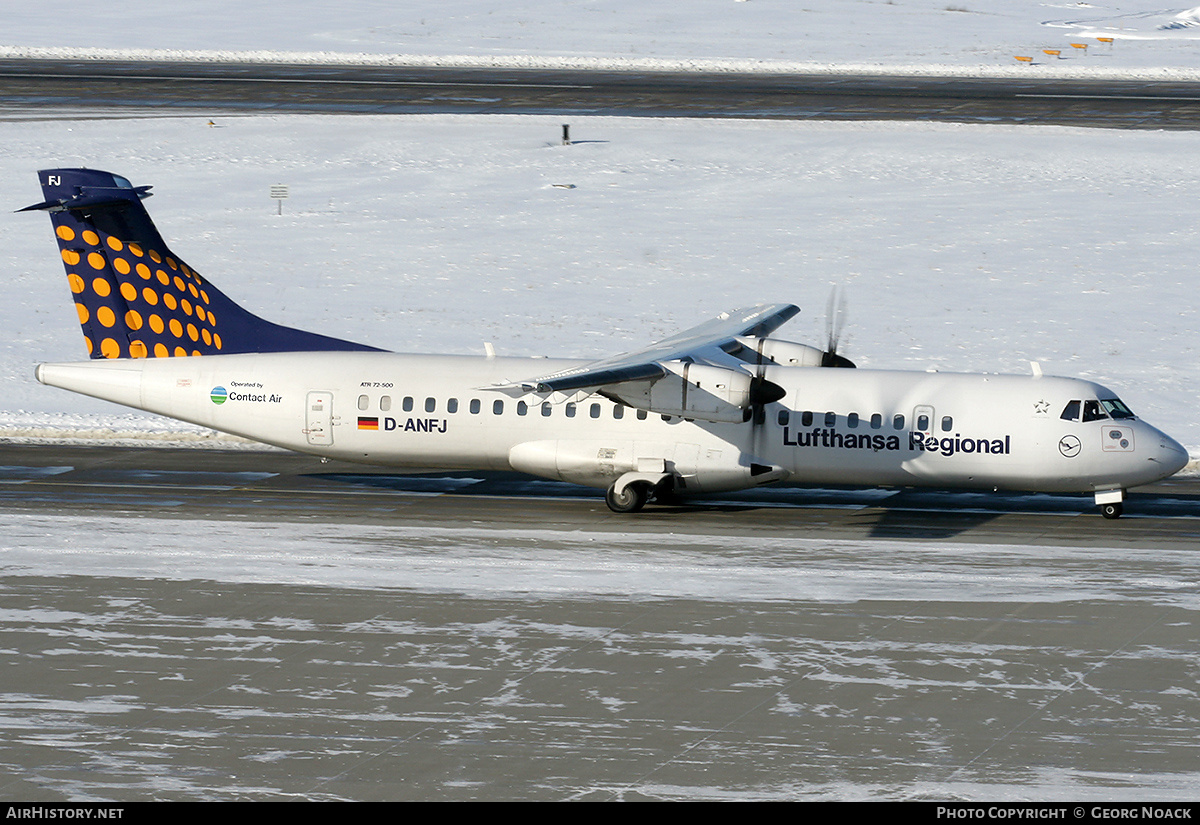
(135, 298)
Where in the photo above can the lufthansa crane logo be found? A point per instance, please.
(1069, 446)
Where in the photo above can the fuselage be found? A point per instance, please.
(834, 426)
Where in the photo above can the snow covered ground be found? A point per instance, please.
(974, 36)
(485, 562)
(969, 248)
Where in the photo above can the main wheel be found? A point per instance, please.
(1112, 510)
(630, 501)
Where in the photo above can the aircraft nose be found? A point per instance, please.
(1170, 455)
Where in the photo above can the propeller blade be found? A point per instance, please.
(835, 322)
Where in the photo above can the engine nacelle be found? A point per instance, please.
(785, 353)
(691, 391)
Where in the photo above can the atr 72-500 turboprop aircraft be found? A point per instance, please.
(722, 406)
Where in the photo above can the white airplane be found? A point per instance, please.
(723, 406)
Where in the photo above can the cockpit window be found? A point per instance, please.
(1092, 411)
(1116, 408)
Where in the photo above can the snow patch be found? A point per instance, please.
(21, 427)
(1184, 20)
(975, 38)
(1006, 69)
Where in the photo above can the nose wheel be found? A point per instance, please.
(1110, 502)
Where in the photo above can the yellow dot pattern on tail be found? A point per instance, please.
(133, 302)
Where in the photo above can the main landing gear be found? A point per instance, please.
(631, 491)
(629, 500)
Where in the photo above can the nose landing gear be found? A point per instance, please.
(1110, 502)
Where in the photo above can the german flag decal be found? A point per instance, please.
(368, 423)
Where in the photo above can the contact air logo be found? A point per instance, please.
(220, 395)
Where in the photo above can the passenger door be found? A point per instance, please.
(318, 418)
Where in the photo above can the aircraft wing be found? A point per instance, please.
(700, 343)
(692, 374)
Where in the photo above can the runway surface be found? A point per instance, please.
(281, 486)
(192, 624)
(127, 86)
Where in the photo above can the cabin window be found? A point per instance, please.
(452, 405)
(430, 404)
(545, 409)
(830, 419)
(852, 420)
(570, 411)
(877, 421)
(642, 415)
(618, 412)
(1071, 411)
(385, 402)
(806, 419)
(783, 418)
(947, 423)
(898, 422)
(475, 406)
(594, 412)
(522, 408)
(497, 407)
(407, 403)
(363, 402)
(922, 422)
